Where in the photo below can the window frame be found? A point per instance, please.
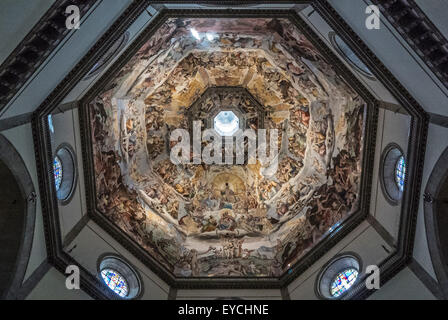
(69, 182)
(329, 272)
(126, 270)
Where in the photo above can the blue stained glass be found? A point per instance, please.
(343, 281)
(50, 123)
(57, 171)
(115, 281)
(400, 173)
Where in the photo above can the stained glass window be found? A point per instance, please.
(115, 281)
(343, 281)
(226, 123)
(57, 171)
(400, 173)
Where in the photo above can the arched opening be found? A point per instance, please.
(436, 219)
(17, 216)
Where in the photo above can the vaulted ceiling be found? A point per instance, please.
(201, 225)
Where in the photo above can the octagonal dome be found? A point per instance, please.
(220, 220)
(226, 123)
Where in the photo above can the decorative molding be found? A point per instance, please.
(388, 159)
(415, 157)
(419, 32)
(395, 108)
(285, 293)
(37, 45)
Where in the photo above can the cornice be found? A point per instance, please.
(37, 45)
(420, 33)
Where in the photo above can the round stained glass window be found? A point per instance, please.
(57, 171)
(343, 281)
(115, 281)
(226, 123)
(400, 173)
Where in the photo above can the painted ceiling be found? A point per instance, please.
(206, 220)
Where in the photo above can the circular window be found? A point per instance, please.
(120, 277)
(393, 173)
(64, 172)
(347, 53)
(108, 56)
(115, 281)
(338, 276)
(226, 123)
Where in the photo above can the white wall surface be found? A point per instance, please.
(436, 11)
(92, 242)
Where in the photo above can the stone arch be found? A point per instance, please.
(17, 219)
(436, 221)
